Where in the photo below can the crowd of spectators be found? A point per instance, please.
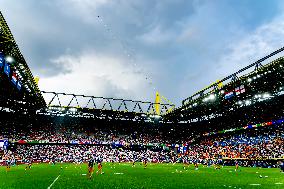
(74, 133)
(260, 143)
(76, 143)
(82, 153)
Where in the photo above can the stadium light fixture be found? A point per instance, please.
(240, 102)
(280, 93)
(248, 102)
(73, 109)
(257, 96)
(205, 99)
(9, 59)
(249, 79)
(155, 117)
(266, 95)
(254, 77)
(212, 97)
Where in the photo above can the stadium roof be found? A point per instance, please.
(28, 92)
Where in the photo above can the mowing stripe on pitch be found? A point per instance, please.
(53, 182)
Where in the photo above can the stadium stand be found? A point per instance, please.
(239, 118)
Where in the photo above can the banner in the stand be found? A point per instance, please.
(246, 127)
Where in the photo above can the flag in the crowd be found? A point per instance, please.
(279, 121)
(180, 149)
(184, 149)
(249, 126)
(22, 141)
(166, 148)
(19, 85)
(229, 94)
(7, 69)
(240, 89)
(269, 123)
(14, 78)
(2, 60)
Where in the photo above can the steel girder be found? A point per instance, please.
(91, 106)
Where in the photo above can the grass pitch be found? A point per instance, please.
(45, 176)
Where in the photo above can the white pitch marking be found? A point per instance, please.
(255, 184)
(53, 182)
(84, 174)
(118, 173)
(279, 183)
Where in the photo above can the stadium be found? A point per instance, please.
(229, 134)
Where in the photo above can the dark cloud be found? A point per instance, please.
(179, 44)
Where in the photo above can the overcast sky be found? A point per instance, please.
(131, 48)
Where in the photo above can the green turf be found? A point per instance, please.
(155, 176)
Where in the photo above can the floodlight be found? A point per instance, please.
(248, 102)
(212, 97)
(9, 59)
(266, 95)
(205, 99)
